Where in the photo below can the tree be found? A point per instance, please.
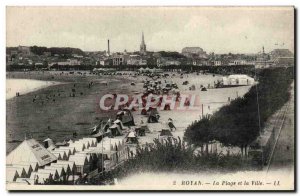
(200, 133)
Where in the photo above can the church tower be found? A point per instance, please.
(143, 45)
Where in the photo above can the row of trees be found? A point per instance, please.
(173, 155)
(56, 50)
(237, 124)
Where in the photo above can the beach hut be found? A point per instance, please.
(92, 141)
(30, 151)
(79, 146)
(81, 164)
(67, 164)
(58, 156)
(60, 170)
(64, 153)
(114, 130)
(85, 154)
(139, 131)
(126, 117)
(23, 170)
(27, 167)
(86, 143)
(41, 178)
(33, 165)
(99, 131)
(153, 116)
(11, 175)
(69, 148)
(110, 157)
(114, 144)
(145, 128)
(119, 123)
(131, 138)
(49, 144)
(237, 80)
(52, 172)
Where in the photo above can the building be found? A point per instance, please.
(262, 61)
(25, 50)
(238, 62)
(68, 62)
(217, 63)
(143, 48)
(167, 61)
(119, 59)
(282, 57)
(104, 62)
(200, 62)
(136, 60)
(194, 52)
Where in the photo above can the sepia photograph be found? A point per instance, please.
(150, 98)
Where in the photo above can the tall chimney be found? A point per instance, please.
(108, 51)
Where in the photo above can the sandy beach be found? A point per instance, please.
(24, 86)
(51, 112)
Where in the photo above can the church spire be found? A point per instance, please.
(143, 40)
(143, 45)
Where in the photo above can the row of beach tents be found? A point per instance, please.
(31, 163)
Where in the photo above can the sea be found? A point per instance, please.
(23, 86)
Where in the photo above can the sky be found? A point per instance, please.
(215, 29)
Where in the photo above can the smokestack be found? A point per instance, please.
(108, 51)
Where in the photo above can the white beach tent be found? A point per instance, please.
(92, 141)
(40, 178)
(28, 168)
(53, 172)
(81, 163)
(57, 155)
(60, 170)
(86, 143)
(30, 151)
(131, 137)
(70, 164)
(115, 130)
(63, 153)
(34, 165)
(79, 146)
(70, 148)
(49, 144)
(11, 175)
(66, 168)
(88, 157)
(24, 171)
(238, 79)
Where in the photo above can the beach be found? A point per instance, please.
(24, 86)
(50, 111)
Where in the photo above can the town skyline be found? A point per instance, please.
(164, 31)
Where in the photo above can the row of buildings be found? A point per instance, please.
(195, 56)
